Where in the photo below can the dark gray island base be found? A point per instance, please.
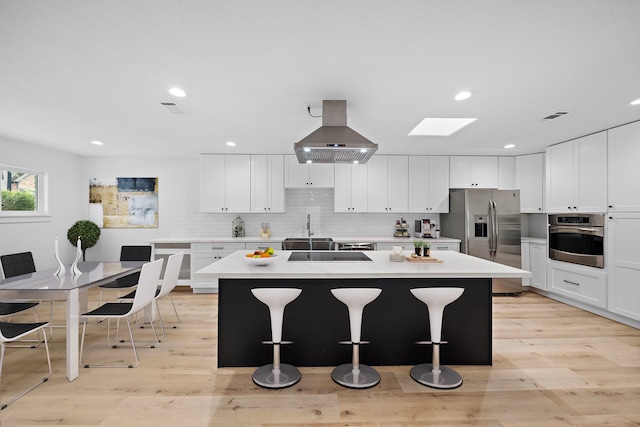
(316, 321)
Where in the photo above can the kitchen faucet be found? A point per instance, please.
(309, 232)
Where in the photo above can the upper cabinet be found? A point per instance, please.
(474, 172)
(304, 175)
(576, 173)
(428, 184)
(267, 183)
(387, 184)
(530, 181)
(623, 170)
(506, 173)
(225, 183)
(350, 194)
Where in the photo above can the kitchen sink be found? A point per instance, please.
(308, 244)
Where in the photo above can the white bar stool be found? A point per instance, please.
(355, 375)
(432, 374)
(276, 374)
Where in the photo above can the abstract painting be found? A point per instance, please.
(124, 202)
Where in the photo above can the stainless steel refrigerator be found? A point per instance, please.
(487, 222)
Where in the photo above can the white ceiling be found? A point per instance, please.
(72, 71)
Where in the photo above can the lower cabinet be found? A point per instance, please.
(583, 284)
(525, 261)
(408, 245)
(623, 263)
(203, 254)
(538, 265)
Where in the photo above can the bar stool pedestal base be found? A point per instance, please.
(447, 378)
(265, 377)
(364, 377)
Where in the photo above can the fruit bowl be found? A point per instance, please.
(261, 260)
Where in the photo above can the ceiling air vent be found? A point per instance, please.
(174, 107)
(555, 115)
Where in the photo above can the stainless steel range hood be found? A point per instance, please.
(334, 142)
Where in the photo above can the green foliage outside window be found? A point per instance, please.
(18, 201)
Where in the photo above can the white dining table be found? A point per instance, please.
(45, 285)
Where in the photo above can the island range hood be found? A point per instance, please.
(334, 141)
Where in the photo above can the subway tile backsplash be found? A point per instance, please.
(299, 203)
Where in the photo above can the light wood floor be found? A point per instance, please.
(554, 365)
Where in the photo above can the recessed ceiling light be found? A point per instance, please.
(463, 95)
(97, 142)
(176, 91)
(509, 146)
(636, 102)
(231, 143)
(440, 127)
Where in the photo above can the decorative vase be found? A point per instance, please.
(418, 251)
(426, 252)
(74, 267)
(61, 270)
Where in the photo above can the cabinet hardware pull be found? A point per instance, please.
(217, 248)
(571, 283)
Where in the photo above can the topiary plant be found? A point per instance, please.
(89, 233)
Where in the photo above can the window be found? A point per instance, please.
(23, 193)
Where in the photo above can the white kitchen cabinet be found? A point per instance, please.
(387, 184)
(576, 173)
(582, 284)
(267, 183)
(530, 181)
(525, 261)
(203, 254)
(305, 175)
(474, 172)
(506, 173)
(428, 184)
(350, 194)
(444, 246)
(624, 170)
(538, 264)
(408, 245)
(225, 183)
(623, 264)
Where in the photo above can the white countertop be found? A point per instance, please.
(454, 265)
(400, 241)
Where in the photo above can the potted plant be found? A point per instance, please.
(425, 250)
(417, 245)
(89, 233)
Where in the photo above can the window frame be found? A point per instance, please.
(42, 195)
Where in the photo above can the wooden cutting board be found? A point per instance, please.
(423, 259)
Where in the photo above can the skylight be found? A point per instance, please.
(440, 126)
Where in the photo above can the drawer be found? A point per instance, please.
(584, 286)
(262, 246)
(226, 247)
(445, 246)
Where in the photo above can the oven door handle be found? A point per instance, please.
(598, 231)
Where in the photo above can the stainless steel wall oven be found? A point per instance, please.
(577, 238)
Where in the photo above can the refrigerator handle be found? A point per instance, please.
(494, 228)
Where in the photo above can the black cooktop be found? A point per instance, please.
(328, 256)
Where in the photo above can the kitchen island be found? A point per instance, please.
(316, 321)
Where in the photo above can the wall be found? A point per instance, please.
(299, 202)
(178, 187)
(65, 206)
